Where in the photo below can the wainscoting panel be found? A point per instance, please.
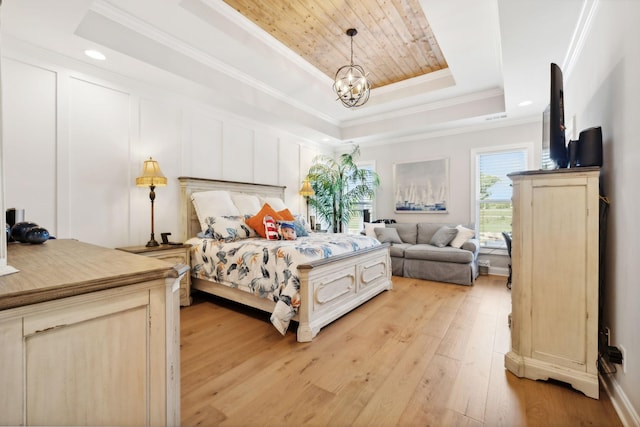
(265, 158)
(29, 128)
(99, 176)
(237, 153)
(204, 146)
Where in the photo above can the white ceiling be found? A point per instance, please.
(498, 53)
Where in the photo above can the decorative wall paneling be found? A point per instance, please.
(77, 141)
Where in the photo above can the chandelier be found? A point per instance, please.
(351, 84)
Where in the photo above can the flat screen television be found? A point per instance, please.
(554, 119)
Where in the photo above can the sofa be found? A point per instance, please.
(432, 251)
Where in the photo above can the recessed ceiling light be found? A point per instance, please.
(525, 103)
(92, 53)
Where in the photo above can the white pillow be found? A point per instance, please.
(212, 204)
(369, 228)
(463, 235)
(247, 204)
(275, 202)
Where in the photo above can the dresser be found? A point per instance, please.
(555, 246)
(88, 336)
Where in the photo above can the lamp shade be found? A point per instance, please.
(151, 175)
(306, 189)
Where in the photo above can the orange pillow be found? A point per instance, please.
(286, 215)
(256, 223)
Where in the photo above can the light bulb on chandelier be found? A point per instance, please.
(350, 83)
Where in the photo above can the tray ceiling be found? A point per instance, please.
(274, 62)
(394, 41)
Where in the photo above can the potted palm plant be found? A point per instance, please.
(339, 185)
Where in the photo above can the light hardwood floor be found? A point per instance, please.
(423, 354)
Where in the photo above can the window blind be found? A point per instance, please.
(493, 196)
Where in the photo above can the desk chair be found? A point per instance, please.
(507, 239)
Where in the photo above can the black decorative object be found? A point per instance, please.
(37, 235)
(19, 231)
(29, 232)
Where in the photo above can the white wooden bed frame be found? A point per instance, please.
(329, 288)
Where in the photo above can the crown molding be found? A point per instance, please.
(580, 33)
(115, 14)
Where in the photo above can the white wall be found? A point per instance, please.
(76, 140)
(457, 148)
(602, 90)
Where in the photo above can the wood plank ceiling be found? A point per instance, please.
(394, 40)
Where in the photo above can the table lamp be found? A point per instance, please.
(307, 191)
(151, 177)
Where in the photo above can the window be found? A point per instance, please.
(493, 193)
(356, 225)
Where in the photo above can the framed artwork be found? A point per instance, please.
(421, 187)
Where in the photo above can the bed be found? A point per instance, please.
(328, 287)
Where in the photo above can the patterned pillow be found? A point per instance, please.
(301, 231)
(270, 228)
(229, 228)
(302, 221)
(287, 230)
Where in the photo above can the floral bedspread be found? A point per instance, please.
(269, 269)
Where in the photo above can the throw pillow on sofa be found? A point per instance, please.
(387, 235)
(463, 235)
(370, 227)
(443, 236)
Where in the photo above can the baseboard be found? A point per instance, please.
(628, 415)
(499, 271)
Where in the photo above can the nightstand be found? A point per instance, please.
(175, 254)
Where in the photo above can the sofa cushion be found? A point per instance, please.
(397, 249)
(443, 236)
(369, 228)
(387, 235)
(407, 232)
(462, 236)
(426, 230)
(434, 253)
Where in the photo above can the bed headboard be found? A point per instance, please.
(189, 224)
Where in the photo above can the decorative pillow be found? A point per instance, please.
(387, 235)
(369, 227)
(286, 215)
(275, 202)
(256, 222)
(213, 204)
(287, 230)
(302, 220)
(247, 204)
(443, 236)
(270, 228)
(463, 235)
(229, 228)
(301, 231)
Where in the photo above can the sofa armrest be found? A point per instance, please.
(472, 245)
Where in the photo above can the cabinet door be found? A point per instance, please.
(558, 273)
(92, 363)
